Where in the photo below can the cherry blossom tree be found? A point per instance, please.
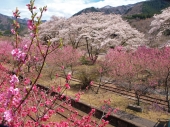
(52, 29)
(95, 31)
(161, 22)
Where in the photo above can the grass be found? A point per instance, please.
(97, 100)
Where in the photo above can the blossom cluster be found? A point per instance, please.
(18, 54)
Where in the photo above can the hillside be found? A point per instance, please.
(140, 10)
(116, 10)
(147, 9)
(6, 25)
(107, 10)
(87, 10)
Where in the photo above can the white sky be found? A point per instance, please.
(64, 8)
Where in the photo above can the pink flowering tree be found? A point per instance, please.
(5, 51)
(120, 65)
(64, 59)
(107, 64)
(130, 69)
(35, 57)
(162, 71)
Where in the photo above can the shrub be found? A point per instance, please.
(86, 76)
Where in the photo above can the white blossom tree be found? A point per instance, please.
(52, 29)
(106, 30)
(93, 32)
(161, 22)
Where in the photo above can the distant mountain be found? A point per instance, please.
(107, 9)
(144, 9)
(24, 20)
(116, 10)
(6, 25)
(87, 10)
(5, 22)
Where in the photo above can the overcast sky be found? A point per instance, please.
(64, 8)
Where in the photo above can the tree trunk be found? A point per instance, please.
(98, 89)
(169, 106)
(101, 75)
(138, 99)
(167, 89)
(28, 68)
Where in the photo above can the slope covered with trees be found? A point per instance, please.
(5, 25)
(147, 9)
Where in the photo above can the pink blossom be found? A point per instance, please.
(25, 47)
(77, 97)
(34, 7)
(15, 52)
(35, 58)
(32, 35)
(21, 56)
(8, 115)
(59, 110)
(119, 48)
(67, 86)
(45, 118)
(34, 109)
(48, 102)
(14, 14)
(68, 76)
(18, 54)
(2, 110)
(105, 122)
(91, 83)
(35, 88)
(16, 100)
(30, 25)
(29, 22)
(92, 112)
(45, 8)
(13, 31)
(51, 112)
(59, 89)
(62, 67)
(29, 6)
(27, 81)
(116, 110)
(14, 80)
(13, 91)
